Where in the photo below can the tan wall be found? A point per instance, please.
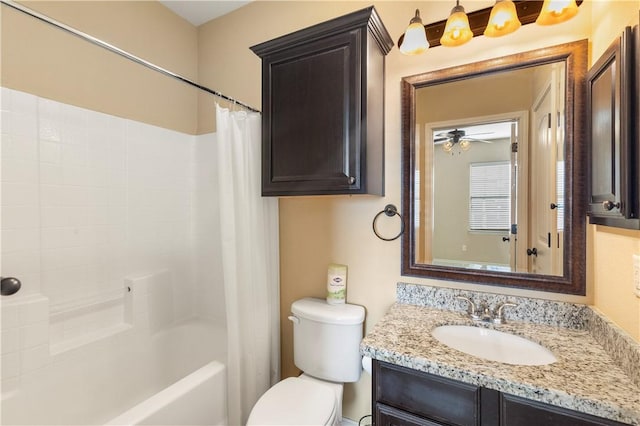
(45, 61)
(612, 249)
(318, 230)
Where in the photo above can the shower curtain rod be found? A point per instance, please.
(119, 51)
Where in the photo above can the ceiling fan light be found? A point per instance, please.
(465, 144)
(457, 31)
(557, 11)
(503, 20)
(415, 37)
(447, 146)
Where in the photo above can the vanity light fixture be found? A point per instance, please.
(526, 12)
(503, 20)
(557, 11)
(415, 37)
(457, 31)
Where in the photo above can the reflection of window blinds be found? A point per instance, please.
(489, 192)
(560, 194)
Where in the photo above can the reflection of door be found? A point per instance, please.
(542, 249)
(513, 236)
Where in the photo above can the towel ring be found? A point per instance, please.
(390, 210)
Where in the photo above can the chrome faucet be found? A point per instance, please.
(483, 313)
(471, 309)
(498, 316)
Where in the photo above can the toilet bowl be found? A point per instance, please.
(300, 401)
(326, 347)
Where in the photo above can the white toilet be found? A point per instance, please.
(326, 340)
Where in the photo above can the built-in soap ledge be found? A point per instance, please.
(86, 321)
(64, 311)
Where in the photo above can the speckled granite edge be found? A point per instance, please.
(622, 347)
(538, 311)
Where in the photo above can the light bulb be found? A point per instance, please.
(415, 37)
(457, 31)
(557, 11)
(503, 20)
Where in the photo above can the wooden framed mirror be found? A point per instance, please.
(493, 171)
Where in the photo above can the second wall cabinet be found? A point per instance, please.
(612, 102)
(323, 108)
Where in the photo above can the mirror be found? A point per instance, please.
(494, 171)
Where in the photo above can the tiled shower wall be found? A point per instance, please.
(89, 200)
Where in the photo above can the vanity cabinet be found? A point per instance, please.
(402, 396)
(323, 108)
(612, 97)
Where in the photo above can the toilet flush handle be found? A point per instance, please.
(294, 319)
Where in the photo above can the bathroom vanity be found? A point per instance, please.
(406, 396)
(417, 380)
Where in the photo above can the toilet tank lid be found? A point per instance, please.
(319, 310)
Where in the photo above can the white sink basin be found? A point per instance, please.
(493, 345)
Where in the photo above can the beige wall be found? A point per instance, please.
(612, 249)
(45, 61)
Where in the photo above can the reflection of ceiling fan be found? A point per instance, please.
(455, 136)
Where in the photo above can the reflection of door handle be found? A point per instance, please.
(533, 251)
(505, 239)
(609, 205)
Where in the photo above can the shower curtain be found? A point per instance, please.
(249, 233)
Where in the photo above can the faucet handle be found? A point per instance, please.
(498, 316)
(471, 310)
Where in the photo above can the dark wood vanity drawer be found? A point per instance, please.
(389, 416)
(517, 411)
(426, 395)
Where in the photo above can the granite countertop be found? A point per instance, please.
(585, 378)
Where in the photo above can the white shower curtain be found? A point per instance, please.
(249, 233)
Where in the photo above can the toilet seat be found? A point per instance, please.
(295, 401)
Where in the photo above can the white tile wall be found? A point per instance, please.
(209, 278)
(88, 199)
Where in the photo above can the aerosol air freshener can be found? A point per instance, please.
(336, 284)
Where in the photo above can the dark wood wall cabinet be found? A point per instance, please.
(402, 396)
(323, 108)
(612, 102)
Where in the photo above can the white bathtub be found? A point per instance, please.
(198, 399)
(133, 377)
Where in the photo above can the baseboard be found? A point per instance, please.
(349, 422)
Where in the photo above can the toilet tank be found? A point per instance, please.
(326, 339)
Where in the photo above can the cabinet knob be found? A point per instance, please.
(532, 252)
(609, 205)
(352, 180)
(553, 206)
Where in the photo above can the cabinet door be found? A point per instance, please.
(312, 118)
(517, 411)
(427, 396)
(612, 197)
